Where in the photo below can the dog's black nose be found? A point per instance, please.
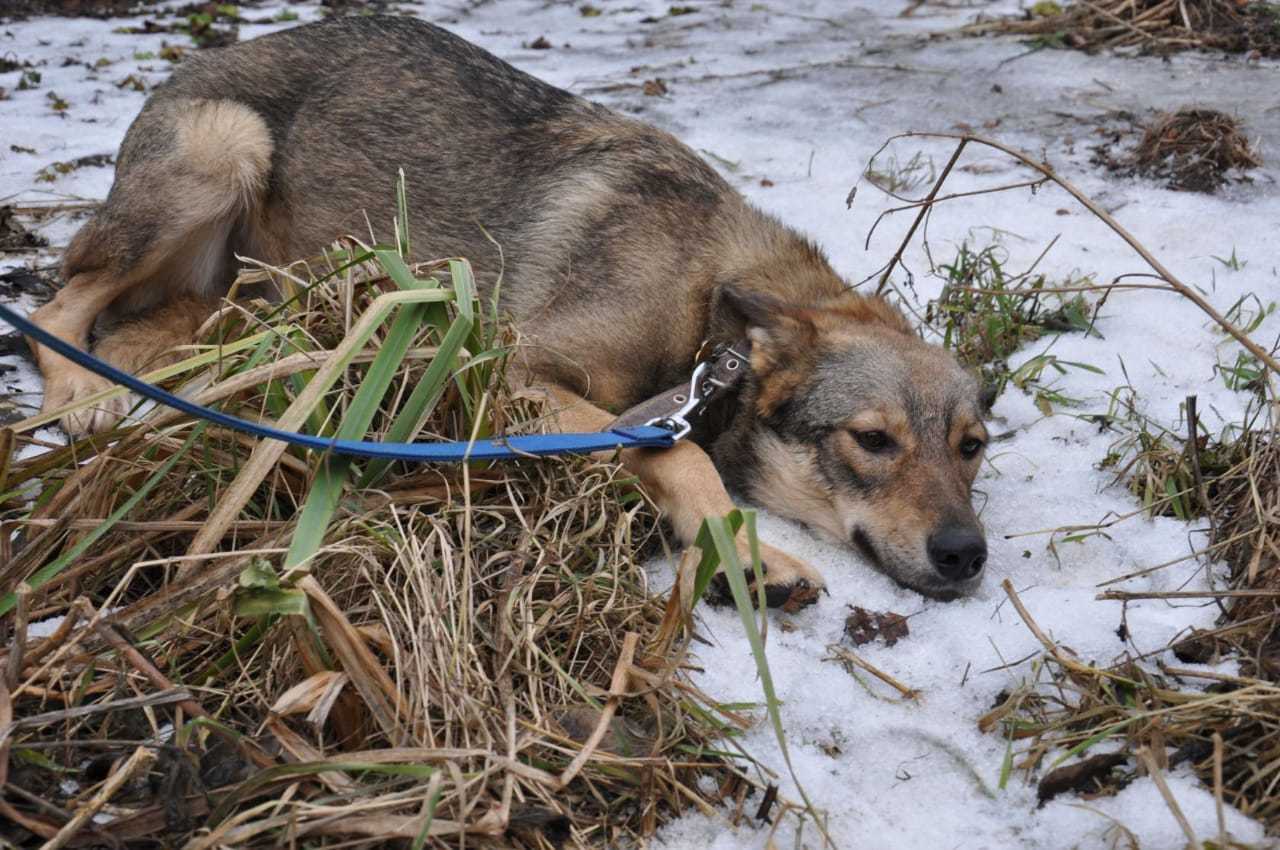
(958, 552)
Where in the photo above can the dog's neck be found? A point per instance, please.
(757, 253)
(729, 431)
(769, 258)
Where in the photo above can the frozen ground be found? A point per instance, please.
(790, 99)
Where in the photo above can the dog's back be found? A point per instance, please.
(299, 135)
(275, 147)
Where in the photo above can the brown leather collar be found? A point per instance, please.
(680, 407)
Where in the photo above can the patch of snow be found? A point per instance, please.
(790, 100)
(43, 628)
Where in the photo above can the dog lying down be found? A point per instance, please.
(622, 254)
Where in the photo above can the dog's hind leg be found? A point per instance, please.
(191, 174)
(149, 341)
(685, 485)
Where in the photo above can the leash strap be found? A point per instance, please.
(617, 437)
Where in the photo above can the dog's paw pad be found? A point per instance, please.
(718, 593)
(792, 597)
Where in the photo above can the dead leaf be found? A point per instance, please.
(310, 692)
(654, 88)
(863, 626)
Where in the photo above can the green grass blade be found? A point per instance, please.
(1006, 764)
(428, 817)
(719, 530)
(399, 272)
(431, 386)
(43, 575)
(331, 477)
(710, 558)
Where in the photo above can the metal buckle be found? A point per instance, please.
(703, 386)
(678, 423)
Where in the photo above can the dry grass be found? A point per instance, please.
(1226, 727)
(462, 654)
(1195, 149)
(1153, 26)
(1246, 526)
(1191, 149)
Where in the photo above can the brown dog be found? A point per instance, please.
(623, 253)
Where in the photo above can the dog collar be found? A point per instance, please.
(679, 408)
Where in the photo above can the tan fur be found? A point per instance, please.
(796, 488)
(69, 316)
(150, 341)
(227, 146)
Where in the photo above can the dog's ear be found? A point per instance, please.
(784, 341)
(776, 329)
(751, 309)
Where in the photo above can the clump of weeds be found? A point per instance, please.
(985, 313)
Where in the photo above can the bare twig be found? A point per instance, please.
(1181, 288)
(856, 660)
(166, 697)
(1125, 596)
(925, 205)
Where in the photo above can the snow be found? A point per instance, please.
(43, 628)
(852, 74)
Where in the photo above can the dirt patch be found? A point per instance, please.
(208, 24)
(17, 283)
(1195, 150)
(357, 7)
(1151, 26)
(15, 236)
(19, 9)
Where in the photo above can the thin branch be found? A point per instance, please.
(1182, 289)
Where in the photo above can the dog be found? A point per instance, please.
(621, 253)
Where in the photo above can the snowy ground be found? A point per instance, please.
(789, 99)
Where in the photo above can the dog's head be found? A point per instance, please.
(855, 426)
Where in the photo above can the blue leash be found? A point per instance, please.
(493, 449)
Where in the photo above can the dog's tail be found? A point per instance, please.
(190, 174)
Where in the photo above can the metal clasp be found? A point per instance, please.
(678, 423)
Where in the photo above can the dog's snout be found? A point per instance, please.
(958, 552)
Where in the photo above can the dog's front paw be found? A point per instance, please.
(789, 583)
(68, 386)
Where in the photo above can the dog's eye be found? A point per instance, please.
(873, 441)
(970, 447)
